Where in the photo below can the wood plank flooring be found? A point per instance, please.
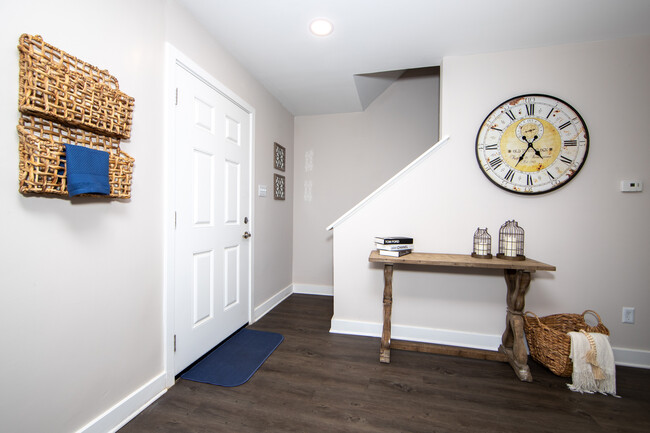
(321, 382)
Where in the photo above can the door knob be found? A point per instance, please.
(246, 235)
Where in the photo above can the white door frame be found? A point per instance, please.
(174, 57)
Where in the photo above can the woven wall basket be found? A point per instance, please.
(42, 167)
(57, 86)
(548, 341)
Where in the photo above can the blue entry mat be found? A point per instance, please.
(236, 360)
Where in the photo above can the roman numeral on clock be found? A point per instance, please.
(550, 112)
(555, 131)
(496, 163)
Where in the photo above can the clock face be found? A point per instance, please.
(532, 144)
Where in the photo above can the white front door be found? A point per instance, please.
(212, 186)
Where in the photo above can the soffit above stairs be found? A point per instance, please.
(316, 75)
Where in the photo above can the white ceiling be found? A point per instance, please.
(316, 75)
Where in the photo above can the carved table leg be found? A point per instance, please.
(512, 341)
(384, 351)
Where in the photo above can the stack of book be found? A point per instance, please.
(394, 246)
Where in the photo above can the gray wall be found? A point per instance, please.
(341, 158)
(596, 236)
(82, 281)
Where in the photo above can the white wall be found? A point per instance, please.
(341, 158)
(81, 307)
(597, 236)
(81, 281)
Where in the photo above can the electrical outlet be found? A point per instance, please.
(628, 315)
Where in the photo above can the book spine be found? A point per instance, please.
(398, 253)
(394, 247)
(388, 241)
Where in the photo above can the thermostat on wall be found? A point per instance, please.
(631, 186)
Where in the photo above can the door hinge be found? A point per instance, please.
(176, 103)
(175, 219)
(174, 342)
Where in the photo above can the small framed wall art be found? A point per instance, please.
(279, 156)
(278, 187)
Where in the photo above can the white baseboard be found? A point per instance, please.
(632, 357)
(305, 289)
(414, 333)
(124, 411)
(313, 289)
(624, 357)
(270, 303)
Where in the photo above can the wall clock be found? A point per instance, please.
(532, 144)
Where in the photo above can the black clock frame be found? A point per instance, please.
(560, 185)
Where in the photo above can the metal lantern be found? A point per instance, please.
(482, 244)
(511, 241)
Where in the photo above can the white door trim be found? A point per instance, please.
(174, 57)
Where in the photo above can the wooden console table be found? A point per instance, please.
(517, 275)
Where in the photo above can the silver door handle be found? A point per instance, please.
(246, 235)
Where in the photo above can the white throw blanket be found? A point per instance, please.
(593, 363)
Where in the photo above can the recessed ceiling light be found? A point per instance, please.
(321, 27)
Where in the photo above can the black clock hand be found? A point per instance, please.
(530, 146)
(523, 154)
(535, 150)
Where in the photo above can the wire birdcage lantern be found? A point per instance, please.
(511, 241)
(482, 247)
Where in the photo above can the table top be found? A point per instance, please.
(460, 260)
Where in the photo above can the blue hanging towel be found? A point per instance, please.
(87, 170)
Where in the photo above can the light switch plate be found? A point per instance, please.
(261, 190)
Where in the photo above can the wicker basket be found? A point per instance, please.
(549, 341)
(42, 167)
(57, 86)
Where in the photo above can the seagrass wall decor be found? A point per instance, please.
(65, 101)
(42, 162)
(57, 86)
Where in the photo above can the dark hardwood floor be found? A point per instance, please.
(321, 382)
